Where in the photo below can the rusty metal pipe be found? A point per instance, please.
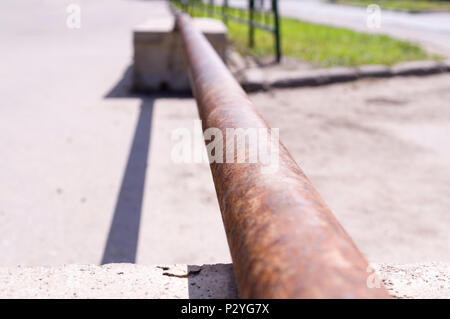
(284, 241)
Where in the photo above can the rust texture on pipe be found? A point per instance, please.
(283, 239)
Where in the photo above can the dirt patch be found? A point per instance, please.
(378, 151)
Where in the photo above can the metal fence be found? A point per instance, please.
(257, 14)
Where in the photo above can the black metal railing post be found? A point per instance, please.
(277, 30)
(224, 11)
(251, 26)
(211, 8)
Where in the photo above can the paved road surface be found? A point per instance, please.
(74, 156)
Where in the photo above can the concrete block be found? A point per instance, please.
(158, 55)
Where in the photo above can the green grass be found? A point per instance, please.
(402, 5)
(323, 46)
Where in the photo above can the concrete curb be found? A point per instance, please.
(122, 281)
(425, 280)
(254, 80)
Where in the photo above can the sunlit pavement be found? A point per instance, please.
(86, 175)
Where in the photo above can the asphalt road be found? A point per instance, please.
(85, 172)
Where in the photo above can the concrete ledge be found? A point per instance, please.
(158, 54)
(118, 281)
(257, 80)
(416, 281)
(186, 281)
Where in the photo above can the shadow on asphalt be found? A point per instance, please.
(121, 245)
(124, 89)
